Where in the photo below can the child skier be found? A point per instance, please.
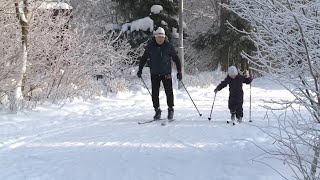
(235, 80)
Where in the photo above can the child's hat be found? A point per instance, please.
(232, 71)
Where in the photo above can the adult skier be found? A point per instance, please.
(161, 53)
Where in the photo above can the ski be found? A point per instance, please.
(234, 123)
(150, 121)
(164, 121)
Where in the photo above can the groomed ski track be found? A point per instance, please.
(101, 139)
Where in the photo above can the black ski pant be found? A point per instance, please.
(235, 106)
(167, 84)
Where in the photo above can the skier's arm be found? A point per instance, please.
(143, 59)
(247, 78)
(175, 58)
(222, 85)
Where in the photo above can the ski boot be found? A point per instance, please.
(170, 113)
(239, 120)
(157, 116)
(232, 119)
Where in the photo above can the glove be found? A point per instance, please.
(246, 74)
(216, 90)
(179, 76)
(139, 73)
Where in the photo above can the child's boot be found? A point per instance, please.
(232, 118)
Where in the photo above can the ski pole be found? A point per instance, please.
(190, 98)
(209, 118)
(250, 105)
(250, 120)
(145, 86)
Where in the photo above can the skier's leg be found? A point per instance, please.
(239, 112)
(155, 83)
(167, 84)
(231, 106)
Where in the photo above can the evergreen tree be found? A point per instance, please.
(131, 10)
(227, 42)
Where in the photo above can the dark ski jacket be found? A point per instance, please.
(235, 87)
(160, 58)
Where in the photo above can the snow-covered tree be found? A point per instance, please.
(22, 22)
(210, 41)
(200, 17)
(99, 20)
(52, 58)
(287, 38)
(225, 43)
(162, 13)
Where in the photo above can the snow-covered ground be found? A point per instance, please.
(102, 140)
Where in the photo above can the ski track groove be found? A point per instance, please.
(13, 143)
(113, 117)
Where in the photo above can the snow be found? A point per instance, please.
(164, 23)
(156, 9)
(175, 33)
(125, 27)
(139, 24)
(111, 27)
(55, 5)
(142, 24)
(101, 138)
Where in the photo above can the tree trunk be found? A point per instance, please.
(22, 13)
(224, 16)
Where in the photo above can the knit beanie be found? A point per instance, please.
(232, 71)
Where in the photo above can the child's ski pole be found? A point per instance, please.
(209, 118)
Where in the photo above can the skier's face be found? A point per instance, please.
(160, 39)
(233, 76)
